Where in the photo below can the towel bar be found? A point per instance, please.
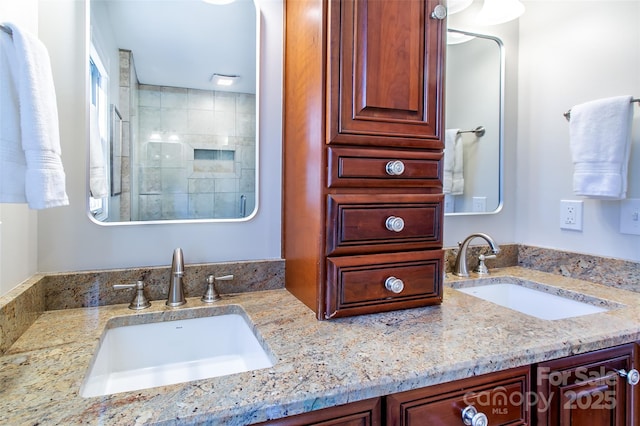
(567, 114)
(478, 131)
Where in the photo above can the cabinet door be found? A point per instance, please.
(386, 72)
(588, 389)
(500, 396)
(361, 413)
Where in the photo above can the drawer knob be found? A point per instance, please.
(633, 376)
(395, 168)
(439, 12)
(394, 284)
(471, 417)
(394, 223)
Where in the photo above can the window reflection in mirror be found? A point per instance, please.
(474, 123)
(182, 76)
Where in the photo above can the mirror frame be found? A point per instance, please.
(500, 119)
(247, 218)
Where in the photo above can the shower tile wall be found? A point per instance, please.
(127, 106)
(173, 122)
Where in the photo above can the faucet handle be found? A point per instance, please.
(211, 294)
(222, 278)
(482, 268)
(139, 300)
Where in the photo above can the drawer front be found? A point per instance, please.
(358, 284)
(502, 397)
(383, 168)
(364, 223)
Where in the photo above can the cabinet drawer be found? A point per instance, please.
(357, 284)
(362, 167)
(501, 396)
(359, 223)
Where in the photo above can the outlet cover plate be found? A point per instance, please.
(630, 216)
(571, 215)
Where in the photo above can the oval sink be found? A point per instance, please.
(538, 302)
(141, 356)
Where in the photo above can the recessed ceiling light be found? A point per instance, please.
(224, 80)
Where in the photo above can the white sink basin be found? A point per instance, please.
(536, 302)
(133, 357)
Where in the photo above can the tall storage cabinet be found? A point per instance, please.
(363, 129)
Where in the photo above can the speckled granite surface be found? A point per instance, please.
(608, 271)
(95, 288)
(508, 256)
(319, 363)
(19, 309)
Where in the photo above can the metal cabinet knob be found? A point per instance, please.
(395, 168)
(633, 376)
(394, 284)
(439, 12)
(394, 223)
(471, 417)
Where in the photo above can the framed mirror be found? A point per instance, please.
(182, 75)
(474, 120)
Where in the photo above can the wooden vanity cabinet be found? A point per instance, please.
(588, 390)
(363, 128)
(499, 396)
(361, 413)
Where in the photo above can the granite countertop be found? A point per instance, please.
(319, 363)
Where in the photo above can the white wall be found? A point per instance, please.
(572, 52)
(68, 240)
(18, 224)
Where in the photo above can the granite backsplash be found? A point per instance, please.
(22, 305)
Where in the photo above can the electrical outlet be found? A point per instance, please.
(479, 204)
(630, 216)
(571, 215)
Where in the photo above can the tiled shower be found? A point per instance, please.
(195, 154)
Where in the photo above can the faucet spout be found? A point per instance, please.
(460, 268)
(176, 291)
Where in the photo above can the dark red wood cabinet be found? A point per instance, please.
(588, 389)
(363, 129)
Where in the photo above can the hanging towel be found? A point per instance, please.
(97, 163)
(13, 165)
(44, 180)
(453, 180)
(600, 140)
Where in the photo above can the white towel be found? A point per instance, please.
(13, 165)
(453, 179)
(600, 140)
(44, 180)
(97, 161)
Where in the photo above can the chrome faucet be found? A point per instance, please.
(176, 291)
(460, 268)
